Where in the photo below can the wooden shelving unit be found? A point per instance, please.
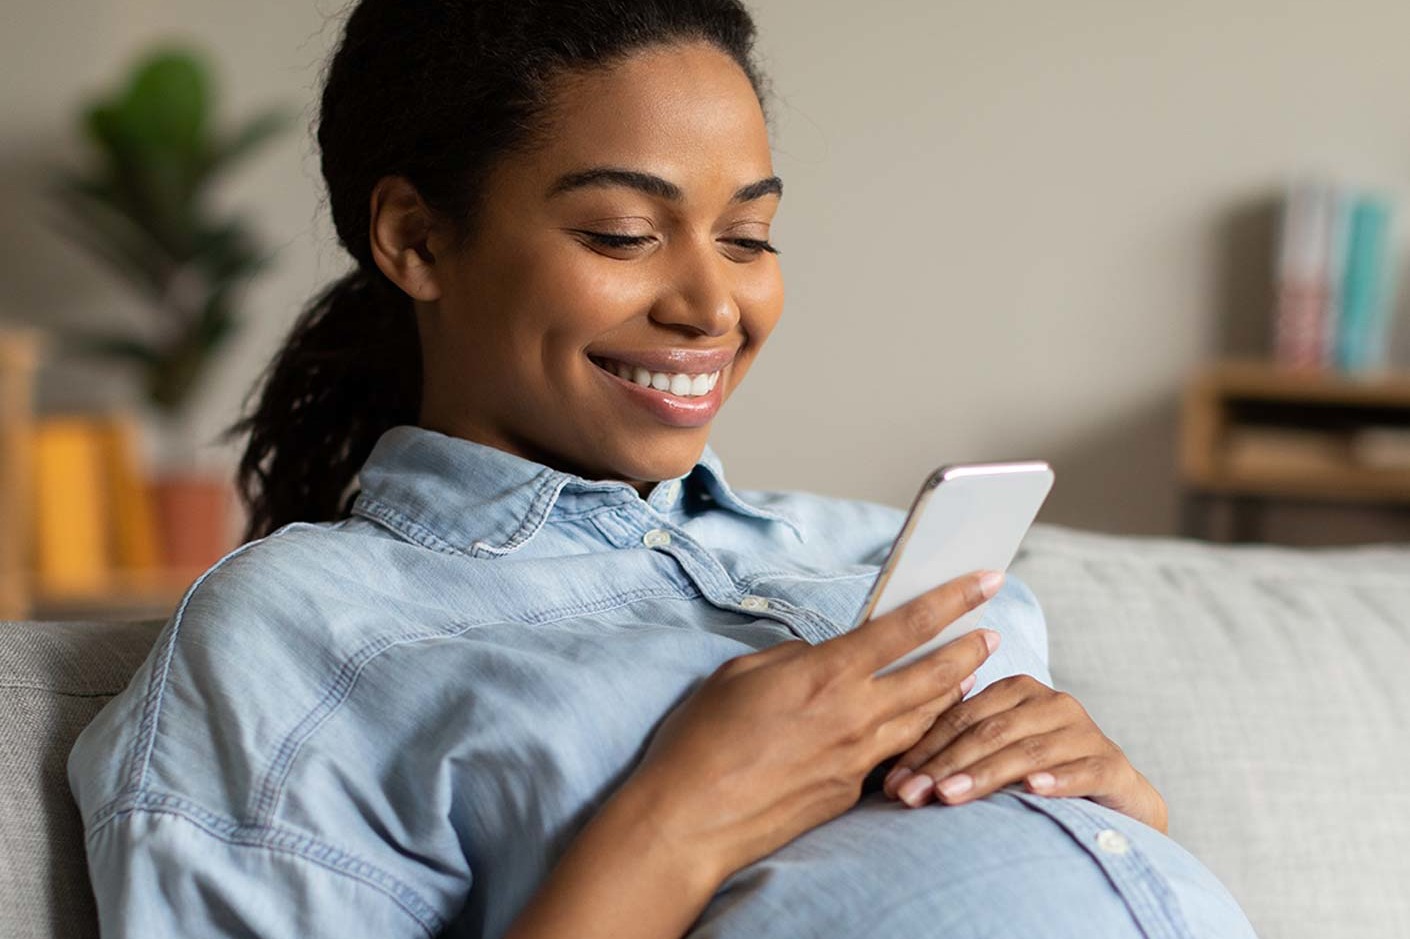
(1252, 432)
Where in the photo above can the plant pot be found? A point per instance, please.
(194, 518)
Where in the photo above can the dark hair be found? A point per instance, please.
(435, 91)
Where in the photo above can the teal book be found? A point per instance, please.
(1363, 325)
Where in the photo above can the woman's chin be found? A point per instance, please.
(668, 457)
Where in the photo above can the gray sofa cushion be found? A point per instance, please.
(1264, 691)
(53, 678)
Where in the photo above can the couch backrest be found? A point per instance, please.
(1264, 692)
(54, 677)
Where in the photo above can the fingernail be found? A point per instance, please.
(991, 639)
(894, 778)
(914, 789)
(967, 684)
(990, 582)
(956, 785)
(1041, 780)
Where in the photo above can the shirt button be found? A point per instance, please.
(1112, 841)
(751, 602)
(656, 538)
(670, 490)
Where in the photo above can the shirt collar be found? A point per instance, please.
(463, 497)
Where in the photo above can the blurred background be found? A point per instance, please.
(1160, 246)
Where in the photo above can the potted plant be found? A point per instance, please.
(143, 208)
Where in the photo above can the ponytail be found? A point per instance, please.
(349, 371)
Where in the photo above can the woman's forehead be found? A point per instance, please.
(678, 111)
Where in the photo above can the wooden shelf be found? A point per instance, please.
(1262, 381)
(1256, 430)
(1346, 485)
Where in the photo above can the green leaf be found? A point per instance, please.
(115, 347)
(112, 236)
(103, 125)
(166, 106)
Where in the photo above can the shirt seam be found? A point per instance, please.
(402, 525)
(551, 483)
(755, 578)
(270, 790)
(279, 839)
(141, 756)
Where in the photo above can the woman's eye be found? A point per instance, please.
(609, 240)
(755, 245)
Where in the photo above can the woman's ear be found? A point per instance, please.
(401, 234)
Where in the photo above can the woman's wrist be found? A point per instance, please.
(650, 812)
(627, 875)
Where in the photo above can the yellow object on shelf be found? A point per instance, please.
(71, 542)
(134, 544)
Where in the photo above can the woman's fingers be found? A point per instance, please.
(1013, 763)
(901, 731)
(950, 724)
(1019, 729)
(882, 639)
(1086, 776)
(1105, 778)
(931, 683)
(1010, 727)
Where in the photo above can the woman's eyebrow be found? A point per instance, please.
(653, 185)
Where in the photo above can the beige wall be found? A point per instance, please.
(1009, 230)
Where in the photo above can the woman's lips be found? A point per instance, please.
(666, 407)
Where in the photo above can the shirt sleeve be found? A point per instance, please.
(170, 868)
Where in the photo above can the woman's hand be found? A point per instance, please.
(779, 741)
(1020, 729)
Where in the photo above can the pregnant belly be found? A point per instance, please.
(998, 867)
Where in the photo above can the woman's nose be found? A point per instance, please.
(699, 295)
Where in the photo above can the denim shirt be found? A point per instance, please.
(393, 724)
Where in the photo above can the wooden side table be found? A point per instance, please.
(1253, 432)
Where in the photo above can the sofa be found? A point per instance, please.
(1261, 689)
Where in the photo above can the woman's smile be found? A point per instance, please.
(687, 398)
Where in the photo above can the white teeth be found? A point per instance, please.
(677, 383)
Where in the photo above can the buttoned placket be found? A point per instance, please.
(639, 523)
(1147, 894)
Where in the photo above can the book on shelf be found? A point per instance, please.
(93, 514)
(1334, 278)
(70, 513)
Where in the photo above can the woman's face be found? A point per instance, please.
(620, 281)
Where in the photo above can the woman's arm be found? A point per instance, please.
(624, 877)
(770, 745)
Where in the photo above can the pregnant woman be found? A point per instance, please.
(508, 655)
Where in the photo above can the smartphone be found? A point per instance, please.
(966, 517)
